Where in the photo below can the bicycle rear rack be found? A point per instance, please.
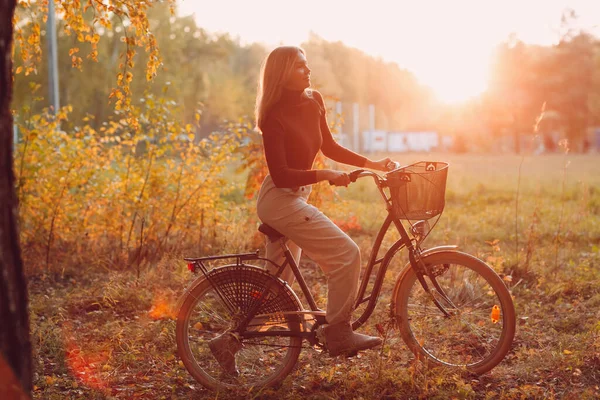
(194, 262)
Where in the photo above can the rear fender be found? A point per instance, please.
(202, 278)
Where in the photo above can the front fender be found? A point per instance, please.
(408, 267)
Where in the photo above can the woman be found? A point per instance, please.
(294, 128)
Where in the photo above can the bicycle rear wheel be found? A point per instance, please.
(204, 315)
(480, 330)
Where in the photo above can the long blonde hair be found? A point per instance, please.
(274, 73)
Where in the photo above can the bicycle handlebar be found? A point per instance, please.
(354, 175)
(358, 173)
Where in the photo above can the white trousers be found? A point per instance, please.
(309, 230)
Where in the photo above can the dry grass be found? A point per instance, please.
(110, 335)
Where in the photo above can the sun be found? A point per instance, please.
(457, 88)
(455, 75)
(455, 80)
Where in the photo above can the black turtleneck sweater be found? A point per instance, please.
(294, 130)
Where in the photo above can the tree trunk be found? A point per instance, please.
(15, 345)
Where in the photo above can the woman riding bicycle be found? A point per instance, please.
(293, 123)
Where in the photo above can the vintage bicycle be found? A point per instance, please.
(450, 307)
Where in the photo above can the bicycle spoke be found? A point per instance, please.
(474, 300)
(469, 336)
(205, 321)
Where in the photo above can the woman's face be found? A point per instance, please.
(300, 76)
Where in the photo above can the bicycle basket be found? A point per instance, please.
(418, 190)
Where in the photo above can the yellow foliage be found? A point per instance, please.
(125, 191)
(27, 37)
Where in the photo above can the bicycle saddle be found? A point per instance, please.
(270, 232)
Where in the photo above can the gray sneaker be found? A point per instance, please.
(224, 347)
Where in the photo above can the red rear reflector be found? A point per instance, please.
(191, 267)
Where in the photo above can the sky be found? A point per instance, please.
(446, 44)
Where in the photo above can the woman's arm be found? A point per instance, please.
(285, 177)
(385, 164)
(336, 152)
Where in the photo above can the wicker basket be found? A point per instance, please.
(418, 190)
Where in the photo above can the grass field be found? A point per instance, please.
(111, 335)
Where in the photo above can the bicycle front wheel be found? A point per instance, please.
(210, 309)
(480, 327)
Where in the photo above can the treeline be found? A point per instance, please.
(217, 74)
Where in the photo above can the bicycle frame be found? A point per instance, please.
(240, 304)
(414, 253)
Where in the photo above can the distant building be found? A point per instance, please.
(399, 142)
(374, 141)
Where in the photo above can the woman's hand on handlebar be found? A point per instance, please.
(337, 178)
(385, 164)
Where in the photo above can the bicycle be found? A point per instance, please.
(451, 308)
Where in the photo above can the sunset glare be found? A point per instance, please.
(446, 45)
(318, 199)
